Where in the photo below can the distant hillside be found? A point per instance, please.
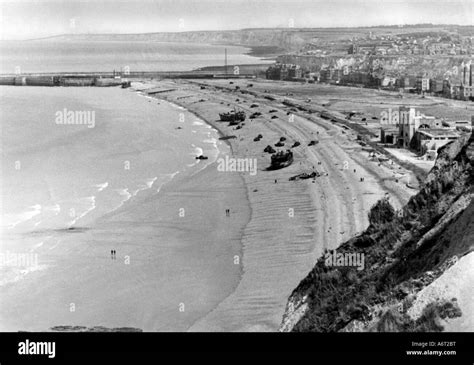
(286, 39)
(419, 262)
(283, 39)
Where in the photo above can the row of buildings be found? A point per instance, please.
(462, 90)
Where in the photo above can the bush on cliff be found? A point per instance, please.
(382, 212)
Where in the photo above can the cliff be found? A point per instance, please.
(418, 262)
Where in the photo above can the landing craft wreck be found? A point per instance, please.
(281, 159)
(234, 117)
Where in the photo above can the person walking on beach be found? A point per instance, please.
(112, 254)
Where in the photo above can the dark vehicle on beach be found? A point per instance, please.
(232, 116)
(269, 149)
(281, 159)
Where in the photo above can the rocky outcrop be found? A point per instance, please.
(410, 256)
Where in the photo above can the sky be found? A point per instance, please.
(26, 19)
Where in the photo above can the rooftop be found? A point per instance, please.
(433, 133)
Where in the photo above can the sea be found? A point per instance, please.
(105, 56)
(70, 193)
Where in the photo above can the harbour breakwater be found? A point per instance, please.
(104, 79)
(61, 81)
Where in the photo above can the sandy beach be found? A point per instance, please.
(291, 222)
(192, 266)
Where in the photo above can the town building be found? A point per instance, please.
(466, 92)
(432, 139)
(283, 71)
(436, 86)
(389, 134)
(410, 123)
(422, 84)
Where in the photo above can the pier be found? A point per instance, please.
(102, 79)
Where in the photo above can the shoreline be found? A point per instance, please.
(173, 259)
(279, 250)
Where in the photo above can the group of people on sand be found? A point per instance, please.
(113, 254)
(227, 212)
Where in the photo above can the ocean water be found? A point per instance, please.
(84, 56)
(71, 192)
(132, 147)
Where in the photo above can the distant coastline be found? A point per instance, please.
(95, 55)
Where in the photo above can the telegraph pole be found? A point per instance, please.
(225, 65)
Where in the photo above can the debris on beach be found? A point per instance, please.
(258, 138)
(305, 175)
(227, 137)
(272, 111)
(254, 106)
(281, 159)
(232, 116)
(269, 149)
(202, 157)
(279, 144)
(313, 143)
(255, 115)
(274, 117)
(282, 139)
(296, 144)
